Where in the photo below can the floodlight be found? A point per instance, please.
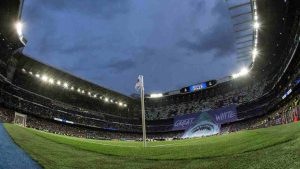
(82, 91)
(156, 95)
(111, 101)
(72, 88)
(255, 17)
(244, 71)
(106, 99)
(30, 73)
(89, 93)
(254, 53)
(78, 90)
(235, 76)
(37, 75)
(66, 85)
(23, 70)
(125, 105)
(120, 104)
(58, 83)
(45, 78)
(95, 95)
(19, 28)
(256, 25)
(51, 81)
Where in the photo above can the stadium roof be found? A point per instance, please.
(10, 11)
(243, 15)
(29, 64)
(271, 39)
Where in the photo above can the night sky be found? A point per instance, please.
(173, 43)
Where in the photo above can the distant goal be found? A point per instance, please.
(20, 119)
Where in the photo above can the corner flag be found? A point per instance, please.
(140, 86)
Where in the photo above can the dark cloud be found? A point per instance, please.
(105, 8)
(218, 39)
(121, 65)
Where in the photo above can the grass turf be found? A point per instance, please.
(274, 147)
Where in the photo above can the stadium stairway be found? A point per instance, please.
(11, 155)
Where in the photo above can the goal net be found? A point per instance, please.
(20, 119)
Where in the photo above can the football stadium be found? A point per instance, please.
(50, 118)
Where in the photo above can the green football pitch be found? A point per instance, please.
(274, 147)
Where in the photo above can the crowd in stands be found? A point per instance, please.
(5, 116)
(76, 130)
(286, 114)
(237, 96)
(49, 125)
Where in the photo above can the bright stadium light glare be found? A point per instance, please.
(66, 85)
(156, 95)
(23, 70)
(37, 75)
(111, 100)
(125, 105)
(45, 78)
(254, 53)
(51, 81)
(58, 83)
(30, 73)
(89, 93)
(106, 99)
(235, 76)
(78, 90)
(255, 17)
(72, 88)
(256, 25)
(82, 91)
(19, 28)
(244, 71)
(95, 95)
(120, 104)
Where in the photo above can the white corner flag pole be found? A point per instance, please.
(143, 112)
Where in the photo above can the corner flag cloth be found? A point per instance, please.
(139, 84)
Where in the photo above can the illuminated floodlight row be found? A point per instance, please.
(49, 80)
(256, 25)
(244, 71)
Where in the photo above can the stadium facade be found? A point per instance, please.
(60, 102)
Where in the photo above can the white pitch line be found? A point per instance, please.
(115, 145)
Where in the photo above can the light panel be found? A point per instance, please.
(66, 85)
